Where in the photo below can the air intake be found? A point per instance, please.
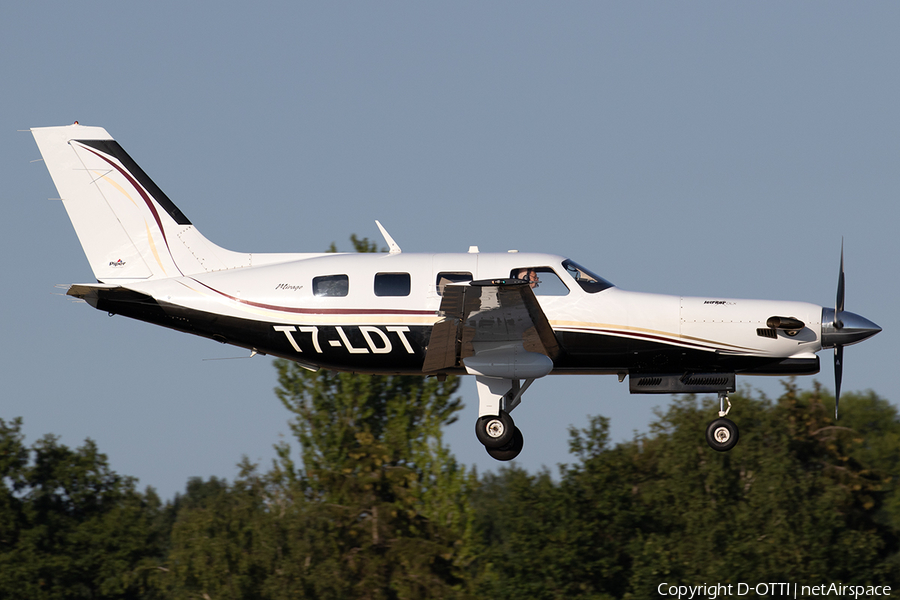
(706, 380)
(679, 383)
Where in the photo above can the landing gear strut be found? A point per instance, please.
(722, 434)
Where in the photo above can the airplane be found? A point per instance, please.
(506, 318)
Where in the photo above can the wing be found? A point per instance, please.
(497, 318)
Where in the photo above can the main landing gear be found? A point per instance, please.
(500, 436)
(495, 428)
(722, 434)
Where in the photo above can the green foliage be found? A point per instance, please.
(788, 502)
(799, 499)
(69, 526)
(567, 539)
(217, 541)
(376, 507)
(374, 512)
(336, 415)
(377, 473)
(359, 245)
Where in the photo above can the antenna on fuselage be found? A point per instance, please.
(394, 248)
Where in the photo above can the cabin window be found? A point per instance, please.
(447, 277)
(543, 280)
(588, 281)
(331, 285)
(392, 284)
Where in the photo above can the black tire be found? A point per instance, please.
(722, 435)
(511, 450)
(495, 431)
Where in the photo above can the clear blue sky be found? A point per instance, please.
(694, 148)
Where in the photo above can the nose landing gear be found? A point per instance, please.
(722, 434)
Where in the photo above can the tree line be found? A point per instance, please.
(370, 503)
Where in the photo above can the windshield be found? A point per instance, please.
(588, 281)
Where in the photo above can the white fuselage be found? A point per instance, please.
(341, 331)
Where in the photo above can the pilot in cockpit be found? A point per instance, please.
(529, 275)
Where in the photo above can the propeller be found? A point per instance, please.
(839, 301)
(838, 324)
(838, 374)
(841, 328)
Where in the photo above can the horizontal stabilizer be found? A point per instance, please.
(81, 290)
(111, 296)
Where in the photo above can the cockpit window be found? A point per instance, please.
(543, 280)
(588, 281)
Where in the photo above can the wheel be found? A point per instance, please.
(722, 435)
(511, 450)
(495, 431)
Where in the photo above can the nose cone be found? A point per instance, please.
(848, 328)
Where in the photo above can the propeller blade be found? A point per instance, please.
(838, 375)
(845, 328)
(839, 301)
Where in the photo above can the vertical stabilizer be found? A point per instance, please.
(128, 228)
